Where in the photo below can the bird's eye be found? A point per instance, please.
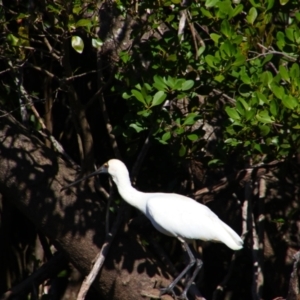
(106, 165)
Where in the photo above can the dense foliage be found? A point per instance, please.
(215, 81)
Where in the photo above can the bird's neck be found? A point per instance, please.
(131, 195)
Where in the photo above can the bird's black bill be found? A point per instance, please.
(101, 170)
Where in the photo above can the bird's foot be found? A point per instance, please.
(183, 296)
(167, 290)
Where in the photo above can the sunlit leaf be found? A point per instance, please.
(77, 43)
(187, 85)
(138, 95)
(158, 98)
(211, 3)
(192, 137)
(289, 101)
(97, 43)
(252, 15)
(84, 23)
(232, 113)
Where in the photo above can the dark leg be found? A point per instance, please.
(199, 264)
(170, 288)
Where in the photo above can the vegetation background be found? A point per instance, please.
(197, 97)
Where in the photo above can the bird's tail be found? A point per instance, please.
(230, 238)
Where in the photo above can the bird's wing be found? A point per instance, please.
(181, 216)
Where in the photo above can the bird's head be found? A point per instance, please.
(113, 167)
(116, 169)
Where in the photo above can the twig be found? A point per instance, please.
(293, 293)
(45, 132)
(100, 258)
(80, 75)
(195, 35)
(138, 163)
(231, 100)
(49, 74)
(4, 71)
(181, 25)
(79, 115)
(272, 52)
(220, 288)
(104, 111)
(240, 177)
(261, 233)
(47, 270)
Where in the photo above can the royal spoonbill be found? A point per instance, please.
(174, 215)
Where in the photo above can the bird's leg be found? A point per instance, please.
(170, 287)
(199, 264)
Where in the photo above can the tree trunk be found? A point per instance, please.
(31, 178)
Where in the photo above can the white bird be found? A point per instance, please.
(174, 215)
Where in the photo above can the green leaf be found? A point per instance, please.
(166, 136)
(233, 142)
(77, 43)
(262, 98)
(178, 84)
(190, 119)
(192, 137)
(267, 59)
(214, 162)
(159, 98)
(273, 107)
(290, 34)
(236, 10)
(200, 50)
(125, 96)
(280, 40)
(264, 130)
(12, 40)
(263, 116)
(226, 28)
(258, 147)
(219, 78)
(246, 79)
(62, 274)
(266, 78)
(245, 104)
(249, 114)
(252, 15)
(283, 2)
(270, 4)
(187, 85)
(284, 73)
(294, 71)
(97, 43)
(145, 113)
(206, 13)
(138, 95)
(170, 81)
(137, 127)
(239, 60)
(211, 3)
(232, 113)
(182, 151)
(289, 101)
(179, 130)
(124, 55)
(215, 37)
(212, 61)
(84, 23)
(277, 90)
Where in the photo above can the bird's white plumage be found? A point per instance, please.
(174, 214)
